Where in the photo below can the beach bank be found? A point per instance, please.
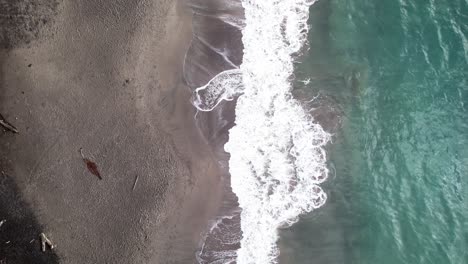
(106, 77)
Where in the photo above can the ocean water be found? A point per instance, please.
(395, 73)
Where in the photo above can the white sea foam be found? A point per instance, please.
(224, 86)
(277, 158)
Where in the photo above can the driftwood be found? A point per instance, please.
(135, 183)
(7, 125)
(45, 241)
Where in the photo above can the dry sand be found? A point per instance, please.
(105, 76)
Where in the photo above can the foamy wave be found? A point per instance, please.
(277, 158)
(224, 86)
(221, 241)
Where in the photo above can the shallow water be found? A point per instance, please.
(396, 74)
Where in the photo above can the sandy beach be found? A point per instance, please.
(104, 76)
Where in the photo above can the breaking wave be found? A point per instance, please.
(277, 156)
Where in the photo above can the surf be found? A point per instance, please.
(277, 157)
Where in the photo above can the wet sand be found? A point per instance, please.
(217, 46)
(105, 76)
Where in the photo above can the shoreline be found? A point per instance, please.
(216, 47)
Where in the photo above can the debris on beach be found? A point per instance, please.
(5, 124)
(45, 241)
(92, 167)
(135, 183)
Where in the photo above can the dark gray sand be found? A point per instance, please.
(217, 46)
(105, 76)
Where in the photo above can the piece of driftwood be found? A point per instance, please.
(135, 183)
(7, 125)
(45, 242)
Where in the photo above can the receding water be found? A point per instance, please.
(395, 72)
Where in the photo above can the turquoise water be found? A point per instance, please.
(396, 72)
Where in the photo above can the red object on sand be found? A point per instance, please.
(92, 167)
